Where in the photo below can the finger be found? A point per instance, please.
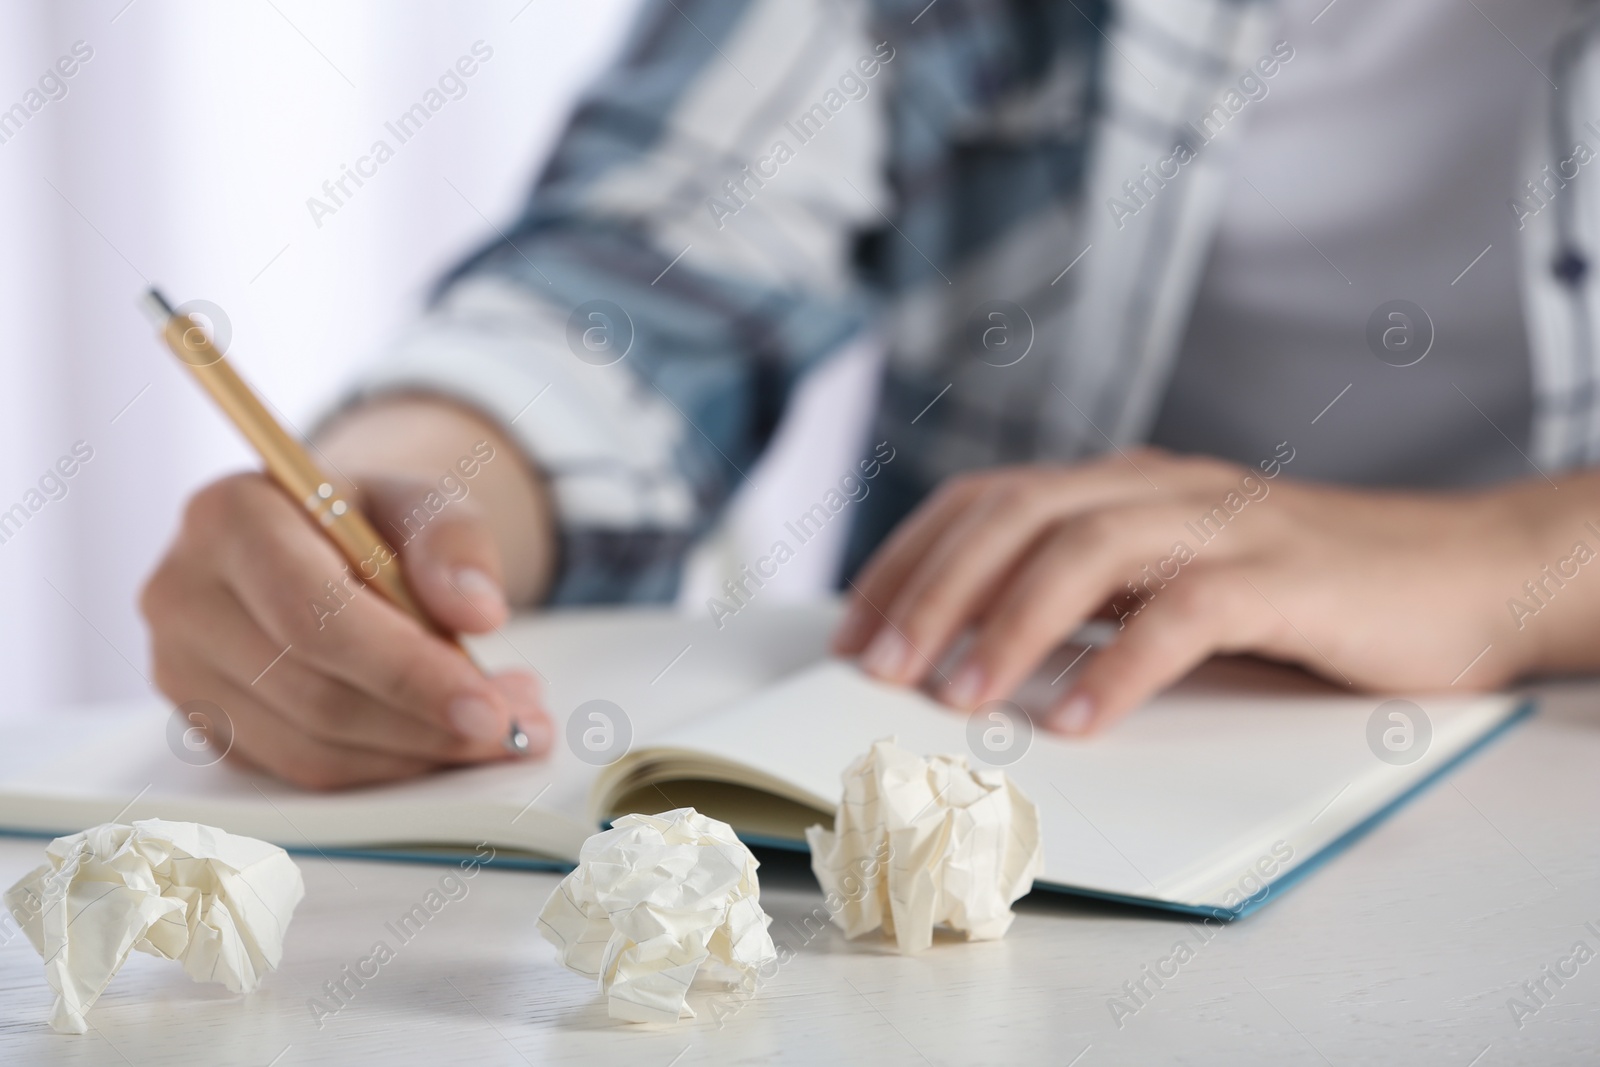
(223, 636)
(266, 741)
(522, 691)
(452, 563)
(327, 708)
(1201, 614)
(330, 710)
(302, 594)
(1107, 481)
(447, 553)
(1086, 561)
(880, 578)
(938, 597)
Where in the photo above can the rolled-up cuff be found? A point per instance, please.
(605, 441)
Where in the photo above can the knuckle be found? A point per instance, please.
(222, 504)
(923, 615)
(414, 526)
(1189, 603)
(299, 612)
(1009, 498)
(405, 684)
(464, 533)
(294, 619)
(316, 698)
(1092, 528)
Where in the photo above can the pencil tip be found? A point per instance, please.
(155, 305)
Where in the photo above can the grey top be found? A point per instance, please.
(1378, 168)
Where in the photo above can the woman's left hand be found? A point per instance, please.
(1191, 557)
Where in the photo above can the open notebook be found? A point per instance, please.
(1239, 779)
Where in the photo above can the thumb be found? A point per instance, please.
(446, 549)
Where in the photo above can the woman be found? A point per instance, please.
(1305, 249)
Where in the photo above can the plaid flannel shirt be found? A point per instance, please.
(755, 182)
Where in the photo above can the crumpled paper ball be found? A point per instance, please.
(652, 900)
(919, 842)
(218, 903)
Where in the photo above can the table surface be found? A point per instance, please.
(1408, 948)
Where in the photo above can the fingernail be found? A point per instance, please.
(856, 625)
(966, 686)
(474, 717)
(481, 590)
(1074, 716)
(886, 656)
(539, 734)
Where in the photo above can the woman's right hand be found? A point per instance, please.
(325, 683)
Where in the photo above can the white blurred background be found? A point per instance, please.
(183, 154)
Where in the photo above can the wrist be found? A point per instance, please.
(1548, 588)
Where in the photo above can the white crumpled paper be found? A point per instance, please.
(652, 900)
(918, 842)
(216, 902)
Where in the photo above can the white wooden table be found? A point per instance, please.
(1405, 949)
